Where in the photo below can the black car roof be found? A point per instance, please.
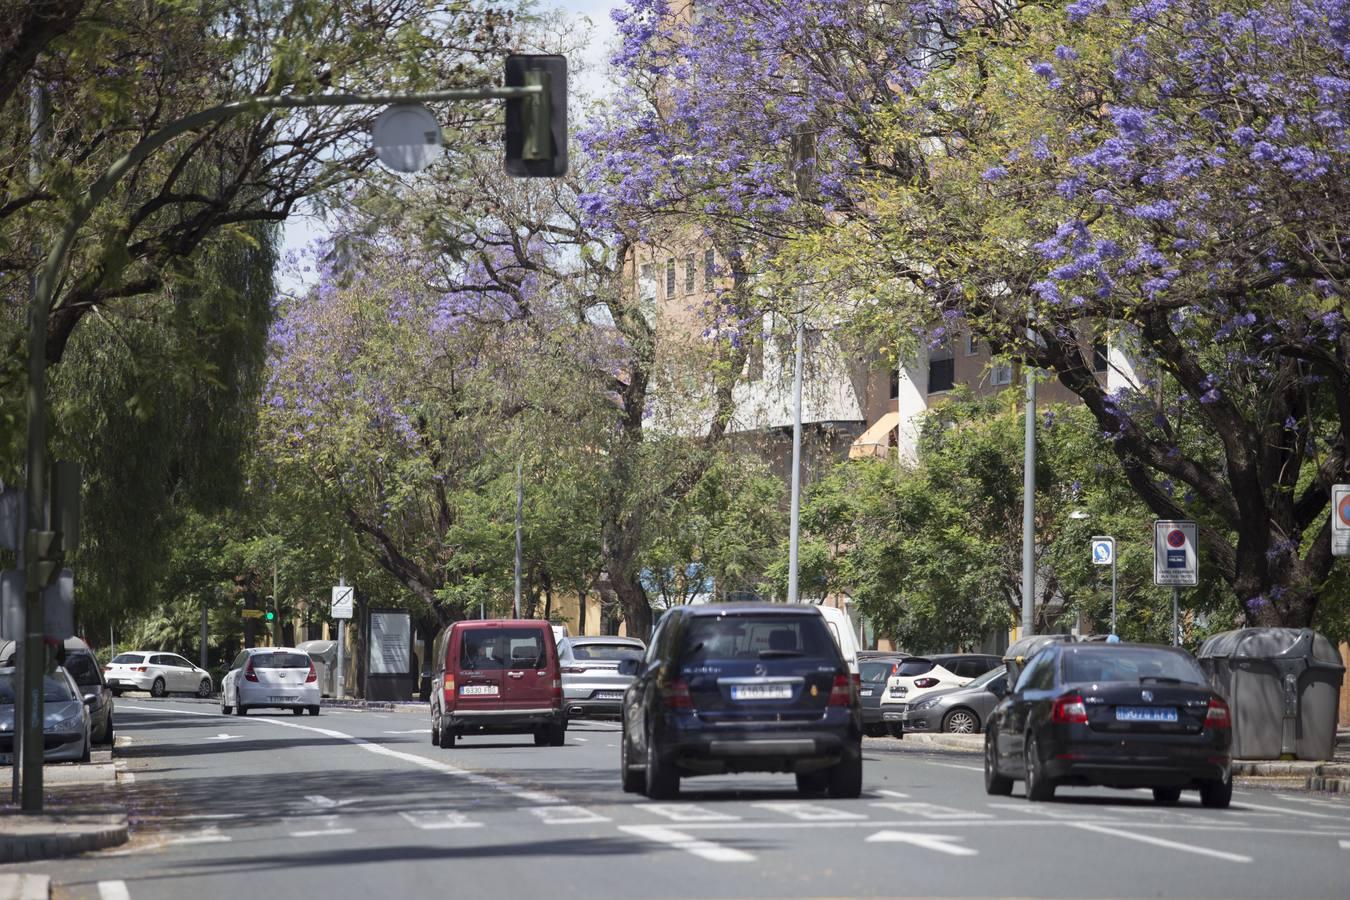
(742, 609)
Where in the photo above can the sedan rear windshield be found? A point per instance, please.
(876, 672)
(606, 651)
(915, 666)
(55, 689)
(280, 661)
(1133, 664)
(129, 658)
(502, 648)
(81, 667)
(756, 637)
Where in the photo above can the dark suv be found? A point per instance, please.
(755, 687)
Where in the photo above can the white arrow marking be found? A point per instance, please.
(942, 843)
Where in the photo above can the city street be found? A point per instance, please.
(358, 804)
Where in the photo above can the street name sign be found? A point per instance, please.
(1103, 551)
(1340, 519)
(1176, 560)
(343, 597)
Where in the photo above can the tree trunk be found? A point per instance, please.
(637, 610)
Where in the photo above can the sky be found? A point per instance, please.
(302, 230)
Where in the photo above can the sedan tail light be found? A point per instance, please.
(140, 668)
(841, 692)
(1218, 715)
(249, 674)
(1069, 710)
(926, 682)
(676, 695)
(313, 676)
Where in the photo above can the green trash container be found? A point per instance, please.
(1283, 686)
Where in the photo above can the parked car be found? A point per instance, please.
(276, 677)
(844, 634)
(159, 673)
(1119, 715)
(875, 672)
(755, 687)
(591, 683)
(921, 675)
(962, 710)
(65, 718)
(497, 676)
(79, 661)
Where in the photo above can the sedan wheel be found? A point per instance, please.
(1039, 787)
(961, 721)
(157, 689)
(204, 689)
(994, 784)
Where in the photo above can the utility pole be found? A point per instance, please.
(520, 506)
(793, 527)
(1029, 504)
(340, 683)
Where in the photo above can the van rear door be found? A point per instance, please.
(478, 666)
(528, 682)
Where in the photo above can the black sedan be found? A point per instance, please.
(1118, 715)
(754, 687)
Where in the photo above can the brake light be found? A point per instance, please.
(841, 692)
(1069, 710)
(926, 682)
(140, 668)
(676, 695)
(313, 676)
(1218, 716)
(249, 674)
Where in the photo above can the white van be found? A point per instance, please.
(845, 635)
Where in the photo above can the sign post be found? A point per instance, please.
(1340, 520)
(1176, 562)
(341, 609)
(1104, 554)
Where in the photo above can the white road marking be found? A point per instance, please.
(896, 794)
(1344, 807)
(329, 823)
(687, 812)
(535, 796)
(1307, 813)
(208, 835)
(436, 820)
(810, 812)
(567, 815)
(680, 841)
(224, 737)
(196, 816)
(1063, 815)
(932, 811)
(942, 843)
(180, 712)
(411, 731)
(1345, 845)
(955, 766)
(113, 890)
(323, 802)
(581, 740)
(1161, 842)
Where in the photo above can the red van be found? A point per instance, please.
(497, 676)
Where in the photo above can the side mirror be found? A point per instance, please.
(629, 667)
(90, 699)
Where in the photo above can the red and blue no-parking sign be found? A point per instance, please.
(1176, 560)
(1340, 519)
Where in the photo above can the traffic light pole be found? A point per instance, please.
(38, 558)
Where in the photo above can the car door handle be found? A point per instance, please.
(515, 674)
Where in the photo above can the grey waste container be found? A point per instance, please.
(324, 654)
(1284, 688)
(1020, 652)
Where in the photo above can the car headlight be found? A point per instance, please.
(64, 721)
(924, 704)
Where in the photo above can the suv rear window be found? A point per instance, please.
(1133, 664)
(128, 658)
(756, 637)
(280, 661)
(875, 672)
(911, 667)
(502, 648)
(606, 651)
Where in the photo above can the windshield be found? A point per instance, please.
(911, 667)
(501, 648)
(81, 667)
(756, 636)
(55, 688)
(876, 672)
(1133, 664)
(128, 658)
(280, 661)
(606, 651)
(988, 677)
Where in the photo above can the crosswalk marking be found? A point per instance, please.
(895, 794)
(567, 815)
(687, 812)
(208, 835)
(940, 842)
(1072, 814)
(328, 827)
(113, 890)
(534, 796)
(439, 819)
(809, 812)
(932, 811)
(708, 850)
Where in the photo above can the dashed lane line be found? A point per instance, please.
(1162, 842)
(678, 840)
(932, 811)
(113, 890)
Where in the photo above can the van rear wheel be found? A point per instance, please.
(557, 735)
(447, 737)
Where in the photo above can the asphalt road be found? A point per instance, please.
(360, 804)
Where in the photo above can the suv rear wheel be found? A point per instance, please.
(813, 783)
(663, 782)
(994, 784)
(846, 777)
(1216, 794)
(632, 780)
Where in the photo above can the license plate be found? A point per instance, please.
(761, 692)
(478, 690)
(1146, 713)
(282, 699)
(865, 692)
(609, 695)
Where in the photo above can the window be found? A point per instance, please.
(941, 374)
(756, 637)
(129, 658)
(877, 672)
(606, 651)
(55, 688)
(501, 648)
(915, 665)
(895, 383)
(1130, 664)
(690, 273)
(709, 269)
(240, 661)
(280, 661)
(670, 278)
(81, 667)
(1000, 374)
(1101, 358)
(972, 345)
(647, 282)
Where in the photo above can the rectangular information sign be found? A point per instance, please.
(1340, 520)
(390, 641)
(1176, 560)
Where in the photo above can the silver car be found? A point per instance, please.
(65, 718)
(591, 683)
(281, 677)
(962, 710)
(158, 672)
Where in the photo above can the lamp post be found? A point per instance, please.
(803, 152)
(1029, 507)
(39, 542)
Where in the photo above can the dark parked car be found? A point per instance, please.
(962, 710)
(78, 660)
(875, 671)
(1119, 715)
(756, 687)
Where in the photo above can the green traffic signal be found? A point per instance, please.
(269, 615)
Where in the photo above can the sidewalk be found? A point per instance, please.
(83, 810)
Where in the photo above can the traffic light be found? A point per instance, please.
(536, 126)
(269, 616)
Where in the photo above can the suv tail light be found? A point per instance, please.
(926, 682)
(249, 674)
(841, 692)
(313, 676)
(449, 691)
(1069, 710)
(676, 695)
(1218, 715)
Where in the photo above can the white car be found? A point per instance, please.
(921, 675)
(159, 673)
(844, 634)
(278, 677)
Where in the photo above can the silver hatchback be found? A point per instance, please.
(962, 710)
(591, 683)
